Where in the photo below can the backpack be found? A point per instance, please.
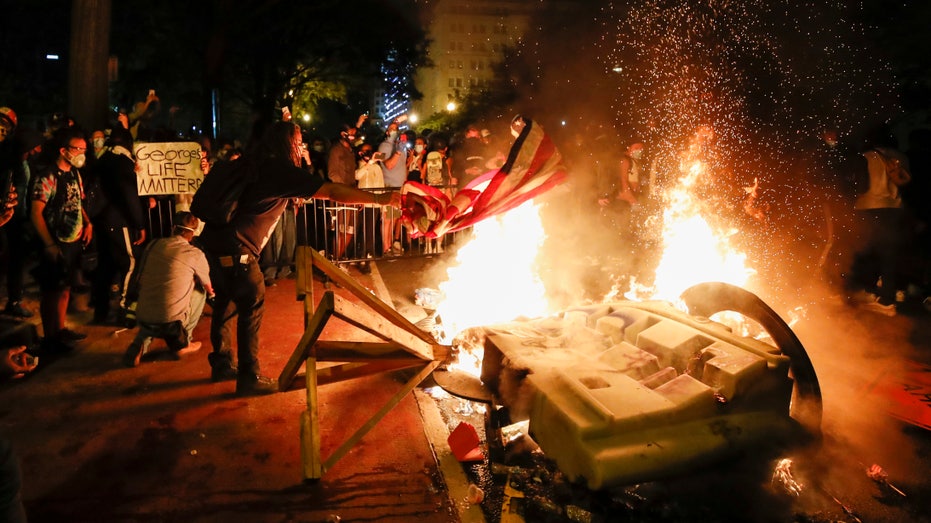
(216, 200)
(434, 169)
(896, 167)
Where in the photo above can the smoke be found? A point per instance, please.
(747, 87)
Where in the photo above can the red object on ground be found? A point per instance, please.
(906, 391)
(465, 444)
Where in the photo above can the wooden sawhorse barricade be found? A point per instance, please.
(404, 346)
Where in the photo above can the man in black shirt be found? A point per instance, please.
(233, 250)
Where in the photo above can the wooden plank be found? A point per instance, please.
(304, 272)
(366, 296)
(361, 351)
(357, 369)
(311, 458)
(377, 325)
(367, 426)
(311, 333)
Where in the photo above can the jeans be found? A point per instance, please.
(881, 240)
(177, 334)
(240, 291)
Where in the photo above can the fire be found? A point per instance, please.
(693, 250)
(495, 278)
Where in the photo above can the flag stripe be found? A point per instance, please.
(533, 167)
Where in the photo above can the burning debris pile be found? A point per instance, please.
(626, 392)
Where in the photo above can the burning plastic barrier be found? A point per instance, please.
(632, 391)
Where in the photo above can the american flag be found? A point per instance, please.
(533, 167)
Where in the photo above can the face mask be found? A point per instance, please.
(78, 160)
(418, 148)
(392, 134)
(318, 148)
(636, 154)
(98, 143)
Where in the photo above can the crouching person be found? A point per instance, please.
(170, 287)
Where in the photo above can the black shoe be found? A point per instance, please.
(70, 336)
(133, 356)
(218, 374)
(17, 310)
(255, 385)
(53, 346)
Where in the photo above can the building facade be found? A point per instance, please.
(467, 38)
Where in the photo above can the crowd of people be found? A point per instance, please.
(75, 222)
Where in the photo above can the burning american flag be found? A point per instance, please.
(533, 167)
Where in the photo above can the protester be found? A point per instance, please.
(120, 224)
(341, 166)
(393, 160)
(233, 250)
(14, 172)
(63, 227)
(872, 283)
(170, 289)
(369, 176)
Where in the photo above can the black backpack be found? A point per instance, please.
(217, 198)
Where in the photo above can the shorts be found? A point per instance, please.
(59, 274)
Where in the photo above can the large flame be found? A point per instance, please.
(693, 250)
(494, 278)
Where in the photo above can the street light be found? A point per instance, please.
(451, 106)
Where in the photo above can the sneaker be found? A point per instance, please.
(218, 374)
(876, 306)
(17, 310)
(133, 355)
(192, 347)
(70, 336)
(255, 385)
(52, 346)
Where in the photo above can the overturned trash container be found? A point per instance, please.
(628, 392)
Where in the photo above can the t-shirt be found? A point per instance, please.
(260, 207)
(62, 214)
(166, 282)
(341, 165)
(397, 175)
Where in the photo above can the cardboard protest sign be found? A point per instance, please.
(168, 168)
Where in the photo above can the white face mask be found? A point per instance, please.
(78, 160)
(392, 134)
(418, 148)
(636, 154)
(98, 143)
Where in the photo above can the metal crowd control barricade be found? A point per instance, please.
(347, 233)
(403, 346)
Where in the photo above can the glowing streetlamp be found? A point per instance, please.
(451, 106)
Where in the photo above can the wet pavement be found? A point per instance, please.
(100, 442)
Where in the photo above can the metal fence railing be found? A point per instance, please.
(343, 233)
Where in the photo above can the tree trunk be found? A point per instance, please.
(87, 65)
